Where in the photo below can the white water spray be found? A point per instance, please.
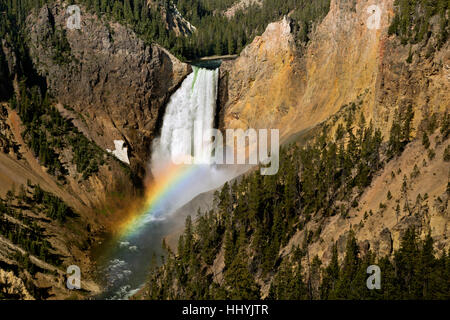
(188, 119)
(191, 108)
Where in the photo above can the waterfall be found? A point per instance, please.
(188, 115)
(188, 118)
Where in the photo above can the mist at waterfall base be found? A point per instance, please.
(126, 259)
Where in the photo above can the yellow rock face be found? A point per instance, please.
(264, 82)
(276, 84)
(13, 285)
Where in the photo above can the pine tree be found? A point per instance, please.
(395, 138)
(229, 247)
(406, 260)
(330, 277)
(240, 281)
(425, 140)
(407, 124)
(349, 269)
(188, 240)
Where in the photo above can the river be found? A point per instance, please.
(124, 260)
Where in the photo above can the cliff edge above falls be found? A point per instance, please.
(116, 84)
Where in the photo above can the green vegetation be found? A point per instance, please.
(28, 239)
(412, 20)
(36, 200)
(401, 130)
(47, 133)
(21, 222)
(63, 52)
(53, 206)
(425, 140)
(413, 273)
(13, 14)
(258, 215)
(23, 230)
(447, 154)
(445, 128)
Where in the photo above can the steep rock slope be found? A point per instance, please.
(348, 67)
(37, 240)
(276, 83)
(115, 83)
(413, 181)
(105, 84)
(172, 17)
(260, 87)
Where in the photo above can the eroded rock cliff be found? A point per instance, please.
(278, 84)
(116, 84)
(172, 17)
(105, 84)
(350, 60)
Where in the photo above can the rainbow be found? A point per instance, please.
(173, 180)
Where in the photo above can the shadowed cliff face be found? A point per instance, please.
(116, 84)
(276, 84)
(111, 86)
(5, 66)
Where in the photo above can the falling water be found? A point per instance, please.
(190, 111)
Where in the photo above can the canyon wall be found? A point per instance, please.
(112, 87)
(276, 83)
(116, 84)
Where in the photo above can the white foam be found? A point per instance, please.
(191, 110)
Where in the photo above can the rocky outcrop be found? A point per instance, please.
(172, 18)
(116, 84)
(12, 286)
(19, 168)
(240, 5)
(278, 84)
(264, 84)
